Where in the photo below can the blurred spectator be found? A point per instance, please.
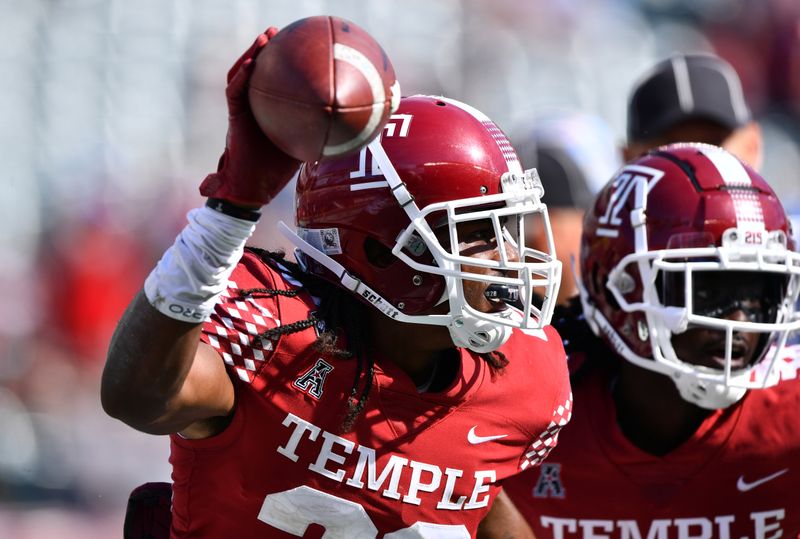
(575, 155)
(95, 272)
(692, 98)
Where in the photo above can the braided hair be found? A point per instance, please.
(338, 310)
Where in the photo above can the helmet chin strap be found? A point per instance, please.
(708, 395)
(478, 335)
(705, 394)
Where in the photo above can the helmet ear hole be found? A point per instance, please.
(377, 253)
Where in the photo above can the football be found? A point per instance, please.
(322, 87)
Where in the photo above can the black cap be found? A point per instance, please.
(565, 184)
(686, 86)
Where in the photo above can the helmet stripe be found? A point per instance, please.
(503, 143)
(509, 154)
(746, 203)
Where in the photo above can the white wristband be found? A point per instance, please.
(188, 280)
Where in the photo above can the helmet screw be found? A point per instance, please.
(625, 283)
(642, 330)
(401, 305)
(484, 189)
(417, 280)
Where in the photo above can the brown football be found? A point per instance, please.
(322, 87)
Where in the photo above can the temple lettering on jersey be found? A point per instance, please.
(766, 525)
(334, 451)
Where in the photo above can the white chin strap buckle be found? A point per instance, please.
(709, 395)
(478, 335)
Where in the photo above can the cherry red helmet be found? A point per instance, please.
(652, 248)
(368, 222)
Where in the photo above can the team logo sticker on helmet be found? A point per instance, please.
(325, 239)
(633, 179)
(397, 126)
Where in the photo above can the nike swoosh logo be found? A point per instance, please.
(475, 439)
(744, 486)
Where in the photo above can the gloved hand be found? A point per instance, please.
(252, 170)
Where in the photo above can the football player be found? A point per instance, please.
(686, 397)
(379, 386)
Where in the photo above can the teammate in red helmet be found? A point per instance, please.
(387, 382)
(686, 398)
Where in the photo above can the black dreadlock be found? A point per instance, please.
(338, 310)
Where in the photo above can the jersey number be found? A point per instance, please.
(292, 511)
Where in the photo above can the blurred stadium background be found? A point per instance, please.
(112, 111)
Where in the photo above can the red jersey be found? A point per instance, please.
(414, 465)
(737, 477)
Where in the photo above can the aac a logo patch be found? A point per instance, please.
(549, 483)
(312, 381)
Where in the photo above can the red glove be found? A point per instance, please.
(252, 170)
